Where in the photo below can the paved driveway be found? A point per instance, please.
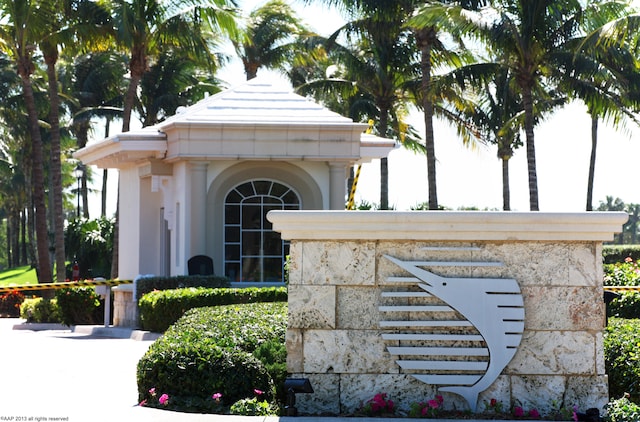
(72, 376)
(58, 373)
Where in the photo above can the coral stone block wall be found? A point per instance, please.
(338, 273)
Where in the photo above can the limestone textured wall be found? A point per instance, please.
(338, 271)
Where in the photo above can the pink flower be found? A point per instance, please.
(258, 392)
(628, 259)
(534, 414)
(164, 399)
(143, 403)
(440, 399)
(152, 391)
(574, 416)
(380, 398)
(493, 403)
(518, 412)
(217, 396)
(434, 404)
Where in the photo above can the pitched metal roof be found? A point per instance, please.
(258, 101)
(256, 120)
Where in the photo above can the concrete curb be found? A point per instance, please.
(91, 330)
(115, 332)
(40, 326)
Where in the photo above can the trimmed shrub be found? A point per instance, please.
(146, 285)
(273, 355)
(618, 253)
(622, 410)
(625, 305)
(10, 303)
(40, 310)
(79, 305)
(159, 309)
(625, 273)
(622, 361)
(209, 351)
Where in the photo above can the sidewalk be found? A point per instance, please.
(86, 374)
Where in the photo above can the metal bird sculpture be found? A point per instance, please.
(492, 306)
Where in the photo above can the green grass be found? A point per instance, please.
(18, 276)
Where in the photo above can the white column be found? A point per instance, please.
(197, 208)
(337, 185)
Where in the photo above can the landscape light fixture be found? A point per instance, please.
(293, 386)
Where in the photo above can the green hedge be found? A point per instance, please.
(211, 350)
(79, 305)
(159, 309)
(618, 253)
(146, 285)
(40, 310)
(622, 362)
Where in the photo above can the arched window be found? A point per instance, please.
(252, 250)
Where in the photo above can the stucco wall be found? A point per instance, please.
(338, 271)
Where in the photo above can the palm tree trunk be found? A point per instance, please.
(527, 103)
(384, 162)
(84, 191)
(424, 38)
(506, 194)
(42, 239)
(56, 167)
(9, 242)
(21, 241)
(592, 161)
(103, 210)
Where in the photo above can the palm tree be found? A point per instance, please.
(606, 76)
(174, 80)
(532, 35)
(95, 82)
(429, 40)
(19, 33)
(268, 40)
(535, 41)
(144, 28)
(380, 60)
(496, 114)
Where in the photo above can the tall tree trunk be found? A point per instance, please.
(592, 161)
(384, 162)
(84, 191)
(44, 265)
(9, 242)
(129, 100)
(51, 57)
(506, 194)
(21, 238)
(527, 103)
(505, 152)
(103, 202)
(425, 38)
